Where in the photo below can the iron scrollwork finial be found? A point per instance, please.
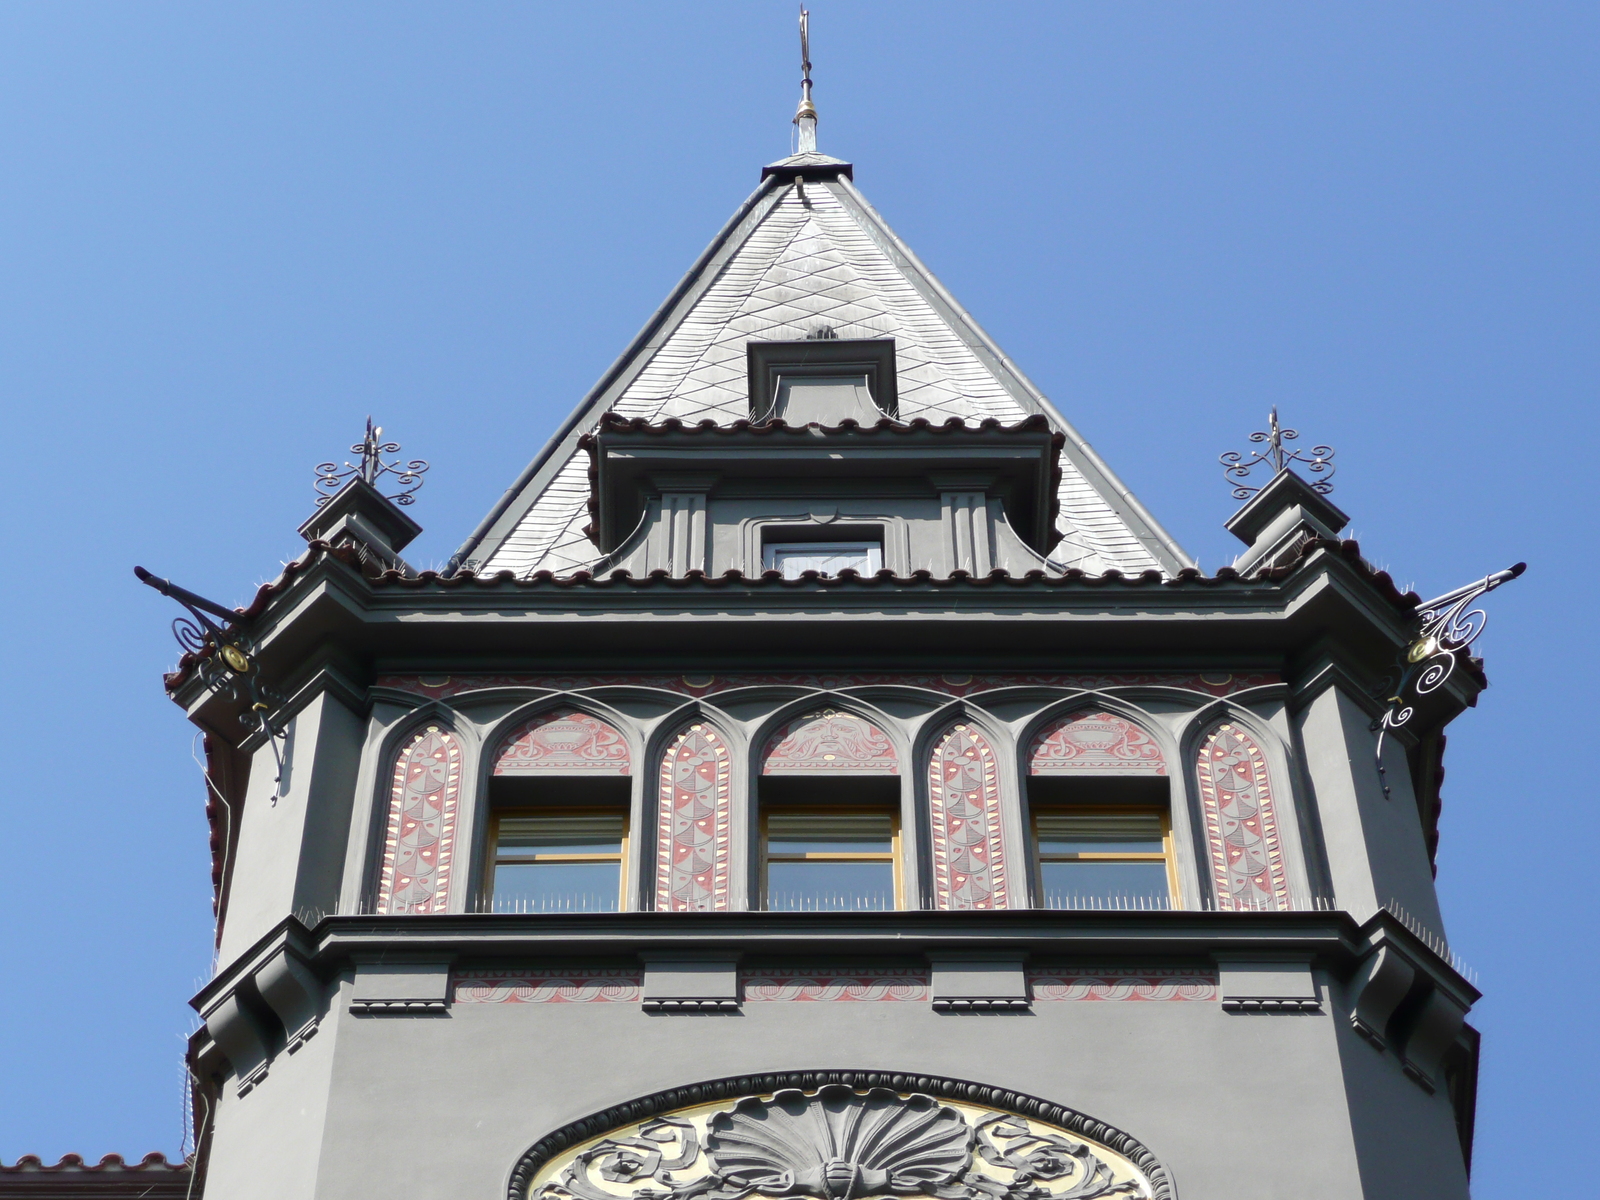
(1236, 467)
(331, 477)
(1446, 626)
(225, 659)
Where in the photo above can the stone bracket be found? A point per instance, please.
(272, 1003)
(1381, 982)
(690, 981)
(1398, 1002)
(979, 982)
(1267, 985)
(401, 989)
(294, 993)
(1431, 1038)
(240, 1037)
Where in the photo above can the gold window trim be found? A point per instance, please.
(620, 857)
(1168, 853)
(892, 857)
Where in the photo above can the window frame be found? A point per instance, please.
(620, 857)
(873, 548)
(1167, 855)
(838, 856)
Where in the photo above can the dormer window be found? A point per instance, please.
(823, 381)
(824, 399)
(825, 558)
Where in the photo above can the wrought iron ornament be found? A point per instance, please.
(1446, 625)
(331, 477)
(1236, 467)
(225, 659)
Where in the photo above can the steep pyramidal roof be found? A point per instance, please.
(807, 250)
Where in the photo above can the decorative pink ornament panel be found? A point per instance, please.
(419, 838)
(1094, 741)
(835, 983)
(550, 985)
(1211, 683)
(969, 868)
(693, 835)
(564, 741)
(829, 741)
(1122, 983)
(1241, 826)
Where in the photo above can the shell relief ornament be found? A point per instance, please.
(838, 1142)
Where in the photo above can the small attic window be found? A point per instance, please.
(826, 558)
(824, 399)
(823, 381)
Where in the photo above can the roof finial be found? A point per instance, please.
(1236, 466)
(805, 117)
(372, 448)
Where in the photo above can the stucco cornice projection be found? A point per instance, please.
(327, 604)
(1332, 940)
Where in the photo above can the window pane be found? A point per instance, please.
(1105, 885)
(830, 886)
(828, 558)
(556, 887)
(830, 833)
(1090, 832)
(600, 833)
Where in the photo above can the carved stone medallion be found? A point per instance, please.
(840, 1141)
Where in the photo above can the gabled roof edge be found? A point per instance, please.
(500, 520)
(1094, 468)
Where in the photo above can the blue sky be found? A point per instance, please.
(229, 232)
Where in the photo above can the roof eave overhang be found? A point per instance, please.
(1022, 459)
(1333, 939)
(327, 608)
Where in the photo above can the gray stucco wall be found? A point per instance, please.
(292, 839)
(1238, 1106)
(1377, 854)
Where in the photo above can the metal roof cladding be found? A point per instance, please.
(806, 250)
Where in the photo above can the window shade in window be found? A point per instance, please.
(1093, 829)
(597, 833)
(830, 826)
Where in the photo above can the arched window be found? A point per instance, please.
(1100, 808)
(969, 867)
(419, 836)
(1241, 827)
(829, 815)
(559, 804)
(693, 822)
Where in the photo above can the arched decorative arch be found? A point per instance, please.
(694, 821)
(566, 740)
(1090, 740)
(829, 740)
(967, 841)
(1241, 825)
(419, 835)
(800, 1132)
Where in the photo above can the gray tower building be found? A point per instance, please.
(820, 777)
